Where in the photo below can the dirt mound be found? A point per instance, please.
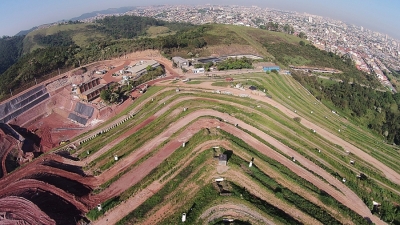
(54, 206)
(70, 168)
(18, 210)
(68, 185)
(7, 144)
(105, 113)
(11, 161)
(46, 142)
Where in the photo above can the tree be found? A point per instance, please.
(302, 35)
(302, 43)
(149, 68)
(105, 95)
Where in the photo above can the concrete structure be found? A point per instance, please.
(314, 69)
(222, 159)
(141, 68)
(270, 67)
(249, 56)
(180, 62)
(262, 65)
(90, 90)
(23, 102)
(198, 70)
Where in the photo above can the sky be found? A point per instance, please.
(376, 15)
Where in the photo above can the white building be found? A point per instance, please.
(141, 68)
(180, 62)
(198, 70)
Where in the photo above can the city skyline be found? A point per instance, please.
(355, 12)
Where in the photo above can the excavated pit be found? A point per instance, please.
(66, 184)
(54, 206)
(70, 168)
(66, 155)
(11, 161)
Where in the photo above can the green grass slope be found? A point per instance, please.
(81, 34)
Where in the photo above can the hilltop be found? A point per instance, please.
(67, 46)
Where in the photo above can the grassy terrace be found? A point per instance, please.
(265, 118)
(206, 196)
(284, 131)
(359, 136)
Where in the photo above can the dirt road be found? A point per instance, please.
(348, 198)
(114, 215)
(388, 172)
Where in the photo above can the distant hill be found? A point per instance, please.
(107, 11)
(81, 34)
(65, 46)
(25, 32)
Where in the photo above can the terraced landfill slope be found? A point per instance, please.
(160, 158)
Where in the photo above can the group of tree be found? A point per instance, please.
(377, 110)
(206, 66)
(359, 99)
(271, 26)
(60, 52)
(58, 39)
(235, 63)
(128, 27)
(308, 55)
(10, 51)
(114, 94)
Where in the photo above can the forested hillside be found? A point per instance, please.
(377, 110)
(127, 27)
(10, 51)
(309, 55)
(357, 96)
(59, 50)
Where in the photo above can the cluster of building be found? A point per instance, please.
(373, 52)
(90, 90)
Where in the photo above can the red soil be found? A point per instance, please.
(21, 211)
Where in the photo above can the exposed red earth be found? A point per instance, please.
(348, 198)
(56, 182)
(48, 122)
(130, 178)
(21, 211)
(7, 144)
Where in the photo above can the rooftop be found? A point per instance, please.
(143, 65)
(93, 89)
(223, 157)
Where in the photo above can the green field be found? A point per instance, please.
(288, 92)
(80, 34)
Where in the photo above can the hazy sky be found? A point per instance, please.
(377, 15)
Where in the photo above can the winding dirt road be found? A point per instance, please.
(348, 198)
(236, 211)
(388, 172)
